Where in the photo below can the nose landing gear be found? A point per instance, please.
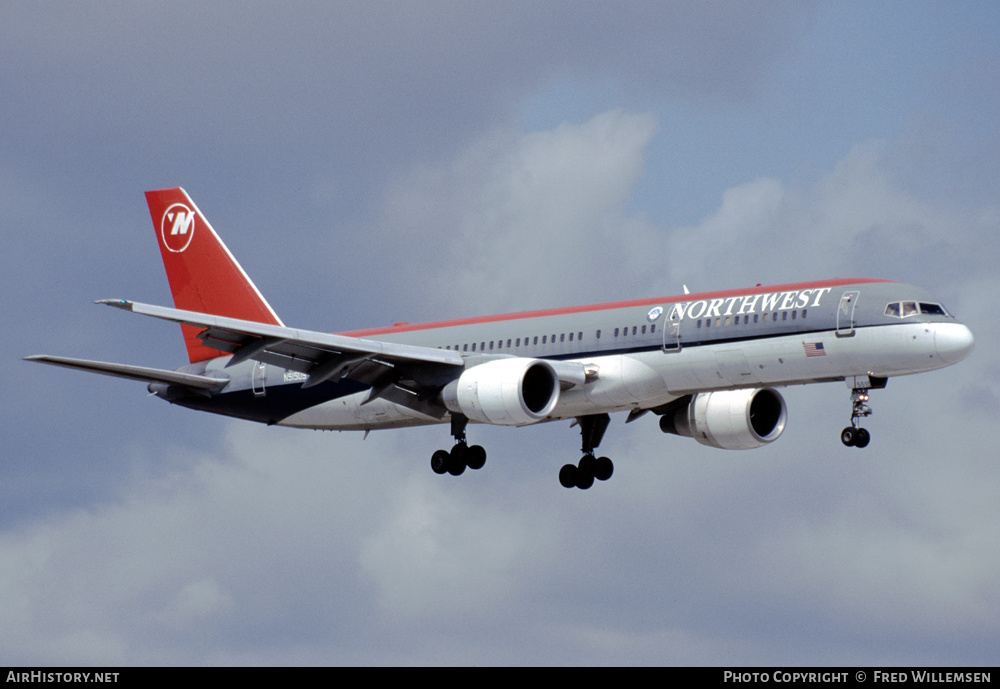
(854, 435)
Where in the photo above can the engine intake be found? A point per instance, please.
(507, 392)
(730, 419)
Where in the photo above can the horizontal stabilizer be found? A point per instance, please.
(149, 375)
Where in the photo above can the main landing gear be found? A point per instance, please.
(461, 455)
(854, 435)
(583, 474)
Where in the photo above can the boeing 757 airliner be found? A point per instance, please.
(707, 364)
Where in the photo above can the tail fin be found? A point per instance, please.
(203, 275)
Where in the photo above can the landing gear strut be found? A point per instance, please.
(854, 435)
(582, 475)
(461, 455)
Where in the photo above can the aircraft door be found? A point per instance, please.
(672, 331)
(259, 379)
(845, 314)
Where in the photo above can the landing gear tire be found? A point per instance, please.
(458, 459)
(603, 469)
(567, 476)
(476, 458)
(847, 436)
(855, 437)
(440, 461)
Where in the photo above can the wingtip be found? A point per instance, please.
(117, 303)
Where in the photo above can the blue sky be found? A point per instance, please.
(376, 162)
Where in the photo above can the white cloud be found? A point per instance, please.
(548, 207)
(853, 222)
(444, 555)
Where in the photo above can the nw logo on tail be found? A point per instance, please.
(177, 227)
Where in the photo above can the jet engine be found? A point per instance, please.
(508, 392)
(730, 419)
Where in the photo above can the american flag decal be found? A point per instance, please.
(814, 348)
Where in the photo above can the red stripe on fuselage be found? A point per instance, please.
(608, 306)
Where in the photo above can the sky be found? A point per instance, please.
(374, 162)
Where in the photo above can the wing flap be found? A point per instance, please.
(324, 356)
(148, 375)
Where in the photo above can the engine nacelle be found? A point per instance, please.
(508, 392)
(730, 419)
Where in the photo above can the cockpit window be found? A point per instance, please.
(905, 309)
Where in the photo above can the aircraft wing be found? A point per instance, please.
(321, 356)
(149, 375)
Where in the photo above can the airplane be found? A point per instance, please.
(707, 364)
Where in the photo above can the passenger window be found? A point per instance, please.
(562, 337)
(598, 334)
(634, 329)
(571, 337)
(579, 335)
(643, 330)
(545, 339)
(473, 346)
(652, 328)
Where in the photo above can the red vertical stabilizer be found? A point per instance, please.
(203, 275)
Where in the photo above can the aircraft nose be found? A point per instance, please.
(953, 342)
